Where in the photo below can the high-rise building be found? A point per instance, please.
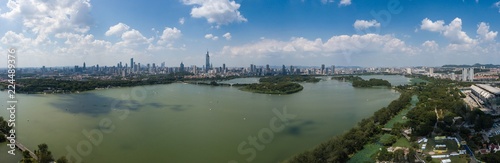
(251, 68)
(431, 71)
(181, 69)
(333, 69)
(223, 68)
(131, 62)
(84, 66)
(207, 62)
(471, 74)
(322, 69)
(283, 70)
(464, 74)
(291, 70)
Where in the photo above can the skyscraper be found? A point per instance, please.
(181, 69)
(322, 69)
(283, 70)
(131, 62)
(464, 74)
(471, 74)
(223, 68)
(207, 62)
(84, 67)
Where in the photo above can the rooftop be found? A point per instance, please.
(490, 89)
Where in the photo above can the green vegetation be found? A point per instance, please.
(279, 84)
(359, 82)
(43, 154)
(4, 128)
(388, 139)
(274, 88)
(340, 148)
(367, 154)
(492, 157)
(290, 78)
(402, 142)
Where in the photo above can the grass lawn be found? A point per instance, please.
(367, 154)
(402, 142)
(397, 119)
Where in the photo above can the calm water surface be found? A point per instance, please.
(191, 123)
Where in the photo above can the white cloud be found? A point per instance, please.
(210, 36)
(227, 36)
(483, 30)
(169, 34)
(50, 17)
(430, 45)
(345, 2)
(220, 12)
(117, 29)
(181, 20)
(427, 24)
(452, 31)
(363, 24)
(335, 45)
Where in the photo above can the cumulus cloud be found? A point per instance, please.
(211, 36)
(181, 20)
(430, 45)
(334, 45)
(452, 31)
(483, 30)
(345, 2)
(427, 24)
(169, 34)
(227, 36)
(117, 29)
(363, 24)
(220, 12)
(50, 17)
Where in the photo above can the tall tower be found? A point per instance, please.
(84, 67)
(207, 62)
(131, 62)
(471, 74)
(181, 69)
(464, 74)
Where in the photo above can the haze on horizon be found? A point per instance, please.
(244, 32)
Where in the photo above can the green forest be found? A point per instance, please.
(359, 82)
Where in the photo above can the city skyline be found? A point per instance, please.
(294, 32)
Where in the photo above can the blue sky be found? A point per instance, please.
(243, 32)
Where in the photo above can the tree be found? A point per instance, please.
(399, 156)
(27, 157)
(43, 154)
(411, 155)
(62, 160)
(384, 155)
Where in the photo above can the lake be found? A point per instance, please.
(193, 123)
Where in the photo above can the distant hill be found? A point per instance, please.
(474, 65)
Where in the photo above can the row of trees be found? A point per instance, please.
(290, 78)
(360, 82)
(44, 156)
(274, 88)
(339, 148)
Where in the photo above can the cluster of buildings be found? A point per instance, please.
(487, 97)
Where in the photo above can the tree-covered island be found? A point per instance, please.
(359, 82)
